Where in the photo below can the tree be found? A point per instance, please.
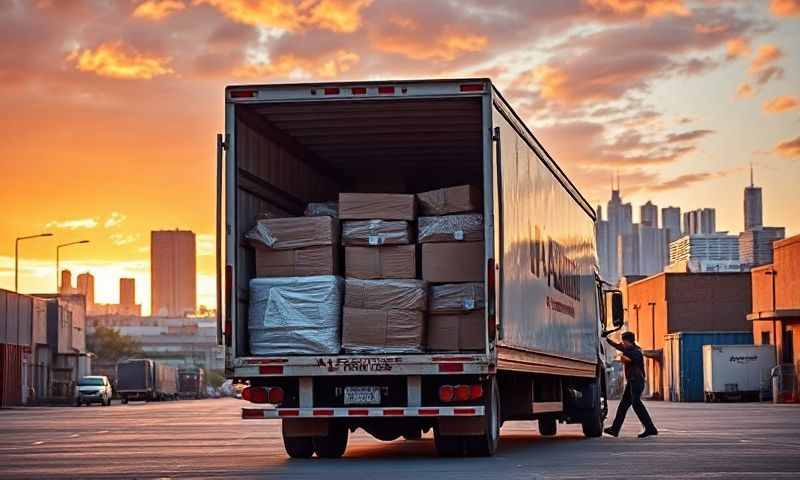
(110, 346)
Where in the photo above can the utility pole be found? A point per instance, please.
(16, 256)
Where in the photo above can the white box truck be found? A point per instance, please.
(737, 372)
(290, 144)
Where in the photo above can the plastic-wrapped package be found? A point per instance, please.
(376, 232)
(383, 331)
(295, 315)
(457, 297)
(463, 198)
(386, 294)
(322, 209)
(295, 232)
(451, 228)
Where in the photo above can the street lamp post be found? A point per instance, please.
(16, 256)
(652, 306)
(58, 260)
(772, 273)
(636, 308)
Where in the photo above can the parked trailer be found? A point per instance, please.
(191, 382)
(146, 379)
(286, 145)
(737, 372)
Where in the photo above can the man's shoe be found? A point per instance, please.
(648, 433)
(611, 431)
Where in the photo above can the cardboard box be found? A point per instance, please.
(376, 232)
(393, 261)
(457, 297)
(322, 209)
(299, 262)
(383, 331)
(453, 262)
(295, 232)
(386, 206)
(386, 294)
(457, 332)
(464, 198)
(450, 228)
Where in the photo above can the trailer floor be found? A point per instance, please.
(206, 439)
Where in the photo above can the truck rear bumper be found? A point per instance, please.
(354, 412)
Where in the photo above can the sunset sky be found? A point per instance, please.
(110, 108)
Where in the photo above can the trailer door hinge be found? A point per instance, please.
(495, 134)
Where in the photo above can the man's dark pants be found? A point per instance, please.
(633, 397)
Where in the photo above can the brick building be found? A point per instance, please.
(775, 314)
(683, 302)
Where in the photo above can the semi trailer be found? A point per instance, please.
(191, 382)
(541, 358)
(146, 379)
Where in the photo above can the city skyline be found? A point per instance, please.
(688, 94)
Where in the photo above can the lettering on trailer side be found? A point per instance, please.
(549, 260)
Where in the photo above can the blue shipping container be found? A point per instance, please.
(683, 361)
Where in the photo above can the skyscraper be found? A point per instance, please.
(173, 272)
(86, 287)
(714, 252)
(700, 222)
(753, 219)
(648, 214)
(66, 282)
(755, 246)
(127, 291)
(671, 220)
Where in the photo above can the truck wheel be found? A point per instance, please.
(298, 447)
(594, 418)
(486, 445)
(548, 426)
(334, 444)
(448, 445)
(124, 400)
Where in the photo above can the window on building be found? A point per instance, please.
(788, 347)
(765, 338)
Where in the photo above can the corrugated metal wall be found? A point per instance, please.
(16, 318)
(10, 375)
(683, 361)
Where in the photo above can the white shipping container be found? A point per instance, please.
(737, 371)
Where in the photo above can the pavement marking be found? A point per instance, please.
(37, 443)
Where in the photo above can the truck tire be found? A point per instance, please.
(548, 426)
(448, 445)
(486, 445)
(298, 447)
(334, 444)
(594, 418)
(124, 400)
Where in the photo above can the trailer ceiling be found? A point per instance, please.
(412, 144)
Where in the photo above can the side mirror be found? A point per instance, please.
(617, 310)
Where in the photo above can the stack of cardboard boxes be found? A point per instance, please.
(300, 305)
(452, 260)
(384, 307)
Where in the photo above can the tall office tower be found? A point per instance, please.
(755, 246)
(700, 222)
(127, 291)
(653, 250)
(671, 220)
(173, 273)
(614, 212)
(648, 215)
(86, 287)
(753, 219)
(603, 255)
(66, 282)
(628, 252)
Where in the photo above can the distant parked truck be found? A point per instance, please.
(737, 372)
(146, 379)
(191, 382)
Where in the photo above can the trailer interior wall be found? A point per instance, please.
(548, 296)
(291, 153)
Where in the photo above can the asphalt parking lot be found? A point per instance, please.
(207, 439)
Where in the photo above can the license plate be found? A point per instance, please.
(362, 395)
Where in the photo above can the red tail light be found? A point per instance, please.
(476, 391)
(275, 395)
(446, 393)
(244, 93)
(359, 90)
(255, 394)
(451, 367)
(462, 393)
(386, 90)
(270, 369)
(472, 87)
(331, 91)
(491, 316)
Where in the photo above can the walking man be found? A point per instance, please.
(634, 374)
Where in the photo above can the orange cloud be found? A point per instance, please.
(744, 90)
(785, 8)
(447, 46)
(158, 9)
(646, 8)
(115, 60)
(765, 55)
(789, 148)
(341, 16)
(781, 104)
(737, 47)
(552, 82)
(292, 65)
